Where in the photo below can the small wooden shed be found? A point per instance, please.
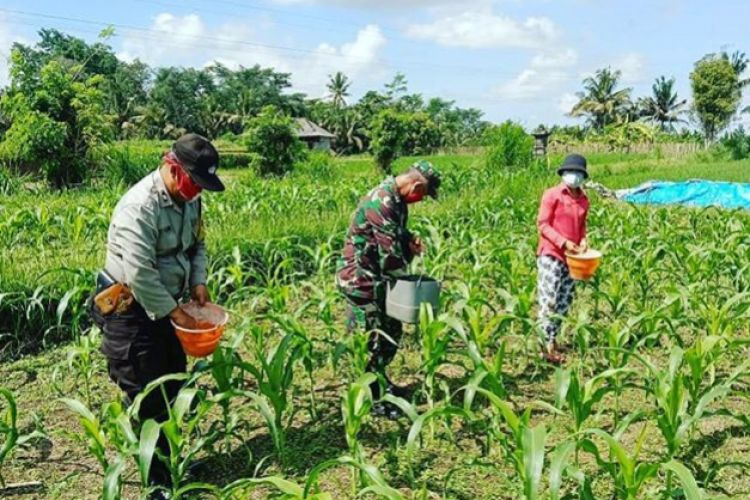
(315, 136)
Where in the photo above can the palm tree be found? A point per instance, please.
(663, 107)
(338, 88)
(740, 63)
(601, 101)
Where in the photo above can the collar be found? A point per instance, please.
(389, 184)
(165, 199)
(566, 190)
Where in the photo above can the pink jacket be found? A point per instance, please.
(562, 217)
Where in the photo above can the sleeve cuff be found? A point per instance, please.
(198, 279)
(161, 312)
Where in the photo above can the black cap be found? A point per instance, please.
(574, 163)
(200, 160)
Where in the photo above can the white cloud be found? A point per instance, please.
(544, 76)
(181, 36)
(190, 42)
(482, 28)
(567, 101)
(531, 83)
(633, 67)
(562, 59)
(7, 38)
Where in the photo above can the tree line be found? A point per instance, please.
(65, 96)
(717, 82)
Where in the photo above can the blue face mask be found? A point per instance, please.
(573, 179)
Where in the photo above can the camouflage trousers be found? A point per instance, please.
(385, 332)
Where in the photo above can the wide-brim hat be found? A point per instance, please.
(574, 163)
(200, 160)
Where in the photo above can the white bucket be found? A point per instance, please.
(405, 295)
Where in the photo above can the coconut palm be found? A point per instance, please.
(601, 101)
(740, 63)
(338, 89)
(663, 107)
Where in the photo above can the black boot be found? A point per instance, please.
(398, 391)
(383, 408)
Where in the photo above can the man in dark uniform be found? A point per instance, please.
(378, 247)
(155, 255)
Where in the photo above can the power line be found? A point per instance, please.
(309, 27)
(256, 45)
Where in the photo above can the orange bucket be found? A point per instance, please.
(582, 266)
(202, 342)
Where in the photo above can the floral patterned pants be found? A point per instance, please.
(555, 292)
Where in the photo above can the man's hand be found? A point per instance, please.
(572, 247)
(183, 319)
(200, 295)
(416, 246)
(584, 245)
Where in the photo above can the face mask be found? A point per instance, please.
(186, 188)
(573, 179)
(414, 197)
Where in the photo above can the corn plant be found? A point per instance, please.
(373, 481)
(581, 397)
(677, 413)
(435, 340)
(13, 436)
(81, 362)
(274, 377)
(355, 409)
(183, 432)
(524, 445)
(101, 433)
(283, 488)
(630, 474)
(228, 378)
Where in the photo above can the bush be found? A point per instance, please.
(234, 159)
(272, 142)
(387, 134)
(55, 119)
(10, 183)
(319, 165)
(127, 162)
(397, 134)
(508, 145)
(737, 143)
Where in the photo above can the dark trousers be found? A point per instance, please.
(138, 352)
(364, 315)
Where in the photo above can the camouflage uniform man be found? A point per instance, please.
(378, 247)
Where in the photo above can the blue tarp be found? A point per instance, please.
(697, 193)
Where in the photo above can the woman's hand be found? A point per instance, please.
(571, 247)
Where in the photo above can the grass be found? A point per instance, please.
(485, 222)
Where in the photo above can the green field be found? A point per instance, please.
(654, 392)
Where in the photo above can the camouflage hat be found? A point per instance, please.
(431, 175)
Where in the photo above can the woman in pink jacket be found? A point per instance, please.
(562, 228)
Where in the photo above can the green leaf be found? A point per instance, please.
(686, 478)
(533, 458)
(113, 480)
(558, 463)
(147, 444)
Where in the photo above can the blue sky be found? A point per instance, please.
(518, 59)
